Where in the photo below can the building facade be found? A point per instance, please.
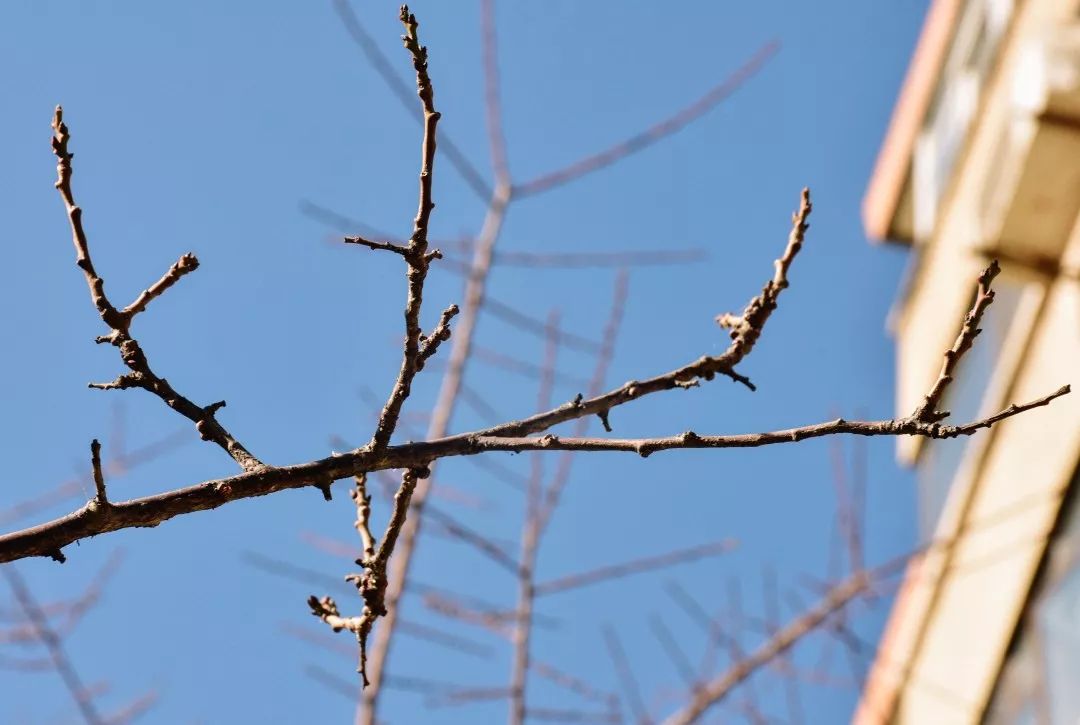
(982, 161)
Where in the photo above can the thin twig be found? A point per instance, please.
(673, 651)
(134, 709)
(629, 685)
(404, 94)
(526, 323)
(927, 410)
(70, 613)
(570, 683)
(492, 103)
(100, 498)
(654, 133)
(604, 357)
(48, 539)
(452, 385)
(372, 583)
(635, 566)
(521, 637)
(621, 258)
(715, 690)
(61, 661)
(416, 255)
(117, 464)
(119, 321)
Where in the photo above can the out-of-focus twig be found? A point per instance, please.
(654, 133)
(55, 646)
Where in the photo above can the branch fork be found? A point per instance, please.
(528, 434)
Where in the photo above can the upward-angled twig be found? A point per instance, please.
(140, 375)
(61, 661)
(654, 133)
(625, 674)
(492, 102)
(416, 254)
(47, 539)
(384, 579)
(635, 566)
(834, 600)
(401, 90)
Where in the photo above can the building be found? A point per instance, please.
(982, 161)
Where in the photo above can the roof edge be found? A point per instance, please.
(890, 174)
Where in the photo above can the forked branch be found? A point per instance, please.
(140, 375)
(376, 586)
(47, 539)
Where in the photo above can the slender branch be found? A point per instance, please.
(846, 524)
(378, 246)
(48, 538)
(134, 709)
(452, 386)
(550, 714)
(620, 258)
(645, 447)
(714, 691)
(416, 255)
(141, 376)
(493, 621)
(623, 671)
(429, 345)
(451, 389)
(492, 103)
(570, 683)
(599, 378)
(984, 296)
(532, 325)
(654, 133)
(473, 538)
(673, 651)
(404, 94)
(362, 499)
(117, 464)
(524, 368)
(61, 662)
(186, 264)
(467, 696)
(372, 583)
(532, 530)
(68, 613)
(100, 499)
(452, 642)
(635, 566)
(771, 597)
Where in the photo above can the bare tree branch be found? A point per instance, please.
(629, 685)
(635, 566)
(47, 539)
(492, 103)
(652, 134)
(621, 258)
(416, 256)
(835, 599)
(372, 583)
(384, 579)
(61, 661)
(457, 158)
(141, 376)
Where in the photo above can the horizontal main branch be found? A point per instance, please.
(49, 538)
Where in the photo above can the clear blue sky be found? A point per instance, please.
(200, 126)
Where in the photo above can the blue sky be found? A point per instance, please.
(202, 127)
